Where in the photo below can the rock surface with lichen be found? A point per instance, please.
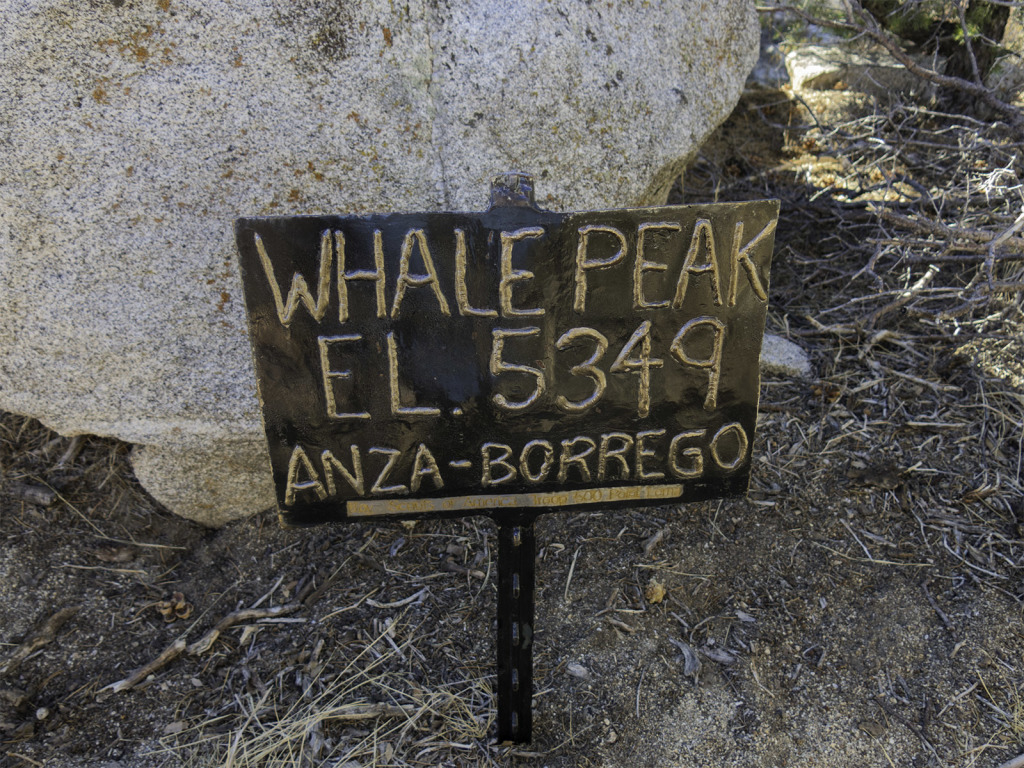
(134, 133)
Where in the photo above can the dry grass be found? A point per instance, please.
(358, 710)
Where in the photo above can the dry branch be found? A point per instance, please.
(179, 646)
(1005, 236)
(170, 653)
(33, 494)
(352, 712)
(69, 455)
(938, 611)
(982, 237)
(237, 617)
(903, 298)
(44, 635)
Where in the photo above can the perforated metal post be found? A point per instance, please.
(517, 553)
(517, 550)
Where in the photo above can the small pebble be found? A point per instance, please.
(578, 670)
(172, 728)
(872, 728)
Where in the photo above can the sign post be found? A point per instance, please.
(517, 553)
(507, 363)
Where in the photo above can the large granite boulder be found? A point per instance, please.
(135, 132)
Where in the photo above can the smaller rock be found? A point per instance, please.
(871, 70)
(578, 670)
(174, 728)
(781, 357)
(211, 487)
(1006, 77)
(872, 728)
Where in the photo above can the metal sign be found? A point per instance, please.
(507, 363)
(448, 364)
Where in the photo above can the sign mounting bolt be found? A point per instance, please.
(513, 189)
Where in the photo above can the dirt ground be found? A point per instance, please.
(862, 607)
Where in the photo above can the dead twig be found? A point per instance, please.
(33, 494)
(691, 661)
(44, 635)
(621, 625)
(451, 566)
(925, 741)
(25, 758)
(353, 712)
(179, 646)
(237, 617)
(69, 455)
(969, 254)
(572, 569)
(1005, 236)
(923, 382)
(904, 297)
(416, 597)
(173, 651)
(653, 541)
(935, 607)
(937, 228)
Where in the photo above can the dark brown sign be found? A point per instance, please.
(447, 364)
